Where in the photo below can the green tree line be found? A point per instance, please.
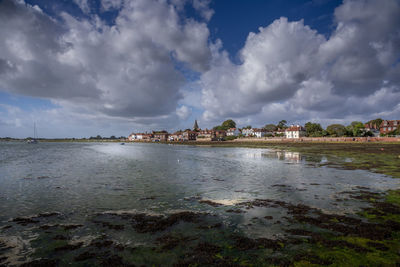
(354, 129)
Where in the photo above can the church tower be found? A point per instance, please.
(195, 126)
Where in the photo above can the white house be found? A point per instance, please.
(232, 132)
(248, 132)
(295, 131)
(259, 132)
(139, 136)
(132, 137)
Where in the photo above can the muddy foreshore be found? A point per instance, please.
(313, 237)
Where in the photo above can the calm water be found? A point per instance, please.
(80, 180)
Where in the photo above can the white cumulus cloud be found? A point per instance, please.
(123, 70)
(289, 71)
(183, 112)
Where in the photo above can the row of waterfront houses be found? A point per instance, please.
(295, 131)
(187, 135)
(292, 132)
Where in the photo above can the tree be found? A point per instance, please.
(218, 128)
(228, 124)
(356, 128)
(336, 130)
(395, 132)
(270, 127)
(247, 127)
(225, 125)
(313, 129)
(113, 137)
(98, 136)
(282, 124)
(369, 134)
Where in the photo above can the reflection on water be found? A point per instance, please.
(294, 157)
(80, 180)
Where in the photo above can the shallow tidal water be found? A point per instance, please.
(58, 199)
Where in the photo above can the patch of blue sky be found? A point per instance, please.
(183, 68)
(26, 103)
(232, 22)
(54, 9)
(190, 13)
(196, 114)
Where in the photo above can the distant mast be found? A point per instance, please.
(33, 141)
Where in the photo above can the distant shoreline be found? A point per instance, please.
(238, 142)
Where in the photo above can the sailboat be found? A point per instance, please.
(34, 140)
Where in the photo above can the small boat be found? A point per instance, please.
(34, 139)
(122, 144)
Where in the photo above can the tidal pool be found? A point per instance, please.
(143, 204)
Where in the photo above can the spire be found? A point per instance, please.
(195, 126)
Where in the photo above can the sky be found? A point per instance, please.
(80, 68)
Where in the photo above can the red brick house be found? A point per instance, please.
(371, 126)
(389, 126)
(205, 133)
(218, 134)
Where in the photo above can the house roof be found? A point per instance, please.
(160, 133)
(295, 128)
(390, 123)
(371, 126)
